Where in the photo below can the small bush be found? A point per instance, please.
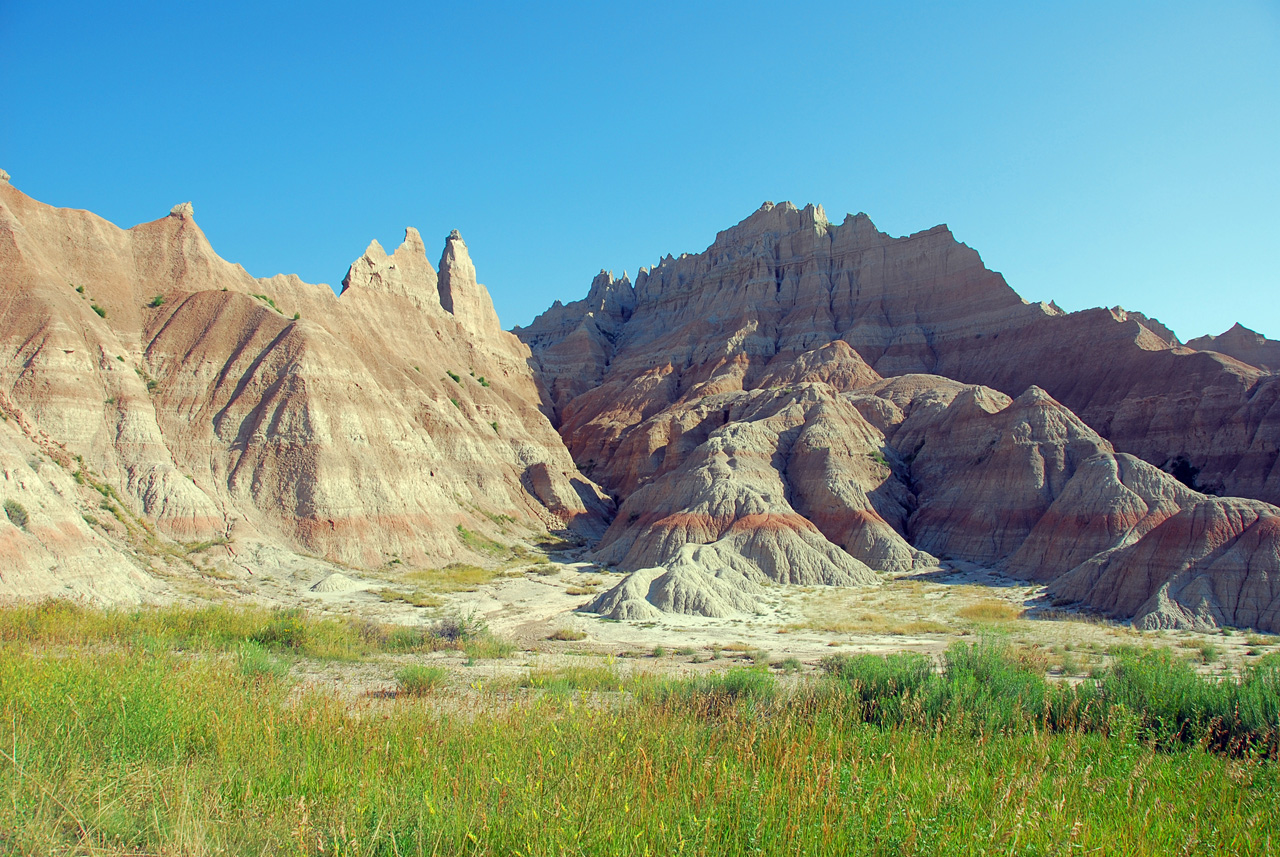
(1208, 652)
(483, 382)
(457, 379)
(102, 313)
(458, 628)
(158, 300)
(16, 512)
(567, 635)
(419, 680)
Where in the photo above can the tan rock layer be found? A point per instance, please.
(364, 428)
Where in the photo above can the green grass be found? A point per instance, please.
(419, 680)
(480, 544)
(219, 629)
(569, 679)
(268, 301)
(985, 688)
(134, 748)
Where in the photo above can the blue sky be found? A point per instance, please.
(1096, 153)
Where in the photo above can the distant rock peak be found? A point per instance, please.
(1247, 346)
(413, 242)
(4, 177)
(183, 211)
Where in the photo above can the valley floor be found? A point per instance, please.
(471, 711)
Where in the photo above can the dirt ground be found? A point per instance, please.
(795, 628)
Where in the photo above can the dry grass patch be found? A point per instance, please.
(989, 610)
(567, 635)
(870, 623)
(456, 577)
(416, 598)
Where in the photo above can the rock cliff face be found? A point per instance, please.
(396, 422)
(740, 391)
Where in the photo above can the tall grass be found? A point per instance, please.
(219, 628)
(128, 751)
(985, 688)
(146, 732)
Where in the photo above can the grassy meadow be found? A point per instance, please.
(185, 731)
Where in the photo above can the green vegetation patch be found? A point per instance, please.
(567, 635)
(420, 680)
(16, 513)
(268, 301)
(135, 748)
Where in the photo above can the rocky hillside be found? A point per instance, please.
(158, 398)
(803, 402)
(813, 402)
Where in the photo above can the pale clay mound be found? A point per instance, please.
(736, 403)
(337, 582)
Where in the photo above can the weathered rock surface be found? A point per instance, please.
(786, 280)
(739, 390)
(362, 428)
(1243, 344)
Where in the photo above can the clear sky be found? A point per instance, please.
(1096, 153)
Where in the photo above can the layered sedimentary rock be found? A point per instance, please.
(786, 280)
(385, 424)
(691, 426)
(808, 484)
(1243, 344)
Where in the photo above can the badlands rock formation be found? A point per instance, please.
(1243, 344)
(741, 416)
(139, 371)
(804, 403)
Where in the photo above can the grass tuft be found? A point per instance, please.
(568, 635)
(419, 680)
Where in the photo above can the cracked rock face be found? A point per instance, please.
(824, 386)
(217, 405)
